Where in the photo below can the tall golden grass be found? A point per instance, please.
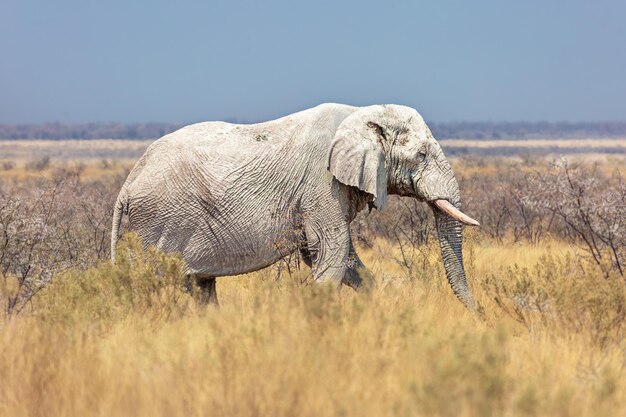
(126, 340)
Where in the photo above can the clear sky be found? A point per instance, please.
(184, 61)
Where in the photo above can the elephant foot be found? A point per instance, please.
(207, 292)
(359, 279)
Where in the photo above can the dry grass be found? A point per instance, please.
(22, 159)
(73, 149)
(126, 340)
(88, 171)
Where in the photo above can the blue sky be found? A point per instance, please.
(185, 61)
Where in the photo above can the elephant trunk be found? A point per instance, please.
(449, 232)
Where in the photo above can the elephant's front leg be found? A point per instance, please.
(327, 251)
(357, 276)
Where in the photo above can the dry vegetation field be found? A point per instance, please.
(82, 337)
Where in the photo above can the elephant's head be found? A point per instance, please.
(390, 150)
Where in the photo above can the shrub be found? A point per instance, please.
(140, 282)
(566, 295)
(8, 165)
(38, 164)
(48, 226)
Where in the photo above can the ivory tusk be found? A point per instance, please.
(450, 210)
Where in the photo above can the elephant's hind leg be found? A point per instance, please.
(207, 292)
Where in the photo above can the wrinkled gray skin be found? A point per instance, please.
(236, 198)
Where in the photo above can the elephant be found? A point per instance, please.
(235, 198)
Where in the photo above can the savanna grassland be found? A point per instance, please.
(80, 336)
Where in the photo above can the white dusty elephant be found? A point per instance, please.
(236, 198)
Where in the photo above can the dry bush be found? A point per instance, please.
(107, 164)
(407, 224)
(8, 165)
(579, 203)
(146, 282)
(39, 164)
(47, 226)
(499, 201)
(591, 209)
(565, 295)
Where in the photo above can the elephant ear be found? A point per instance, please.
(356, 156)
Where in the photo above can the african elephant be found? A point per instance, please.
(236, 198)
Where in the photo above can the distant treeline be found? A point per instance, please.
(87, 131)
(528, 130)
(453, 130)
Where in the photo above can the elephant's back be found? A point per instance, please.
(227, 144)
(231, 141)
(218, 140)
(210, 148)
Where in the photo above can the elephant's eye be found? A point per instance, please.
(421, 155)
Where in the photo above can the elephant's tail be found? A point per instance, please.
(118, 212)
